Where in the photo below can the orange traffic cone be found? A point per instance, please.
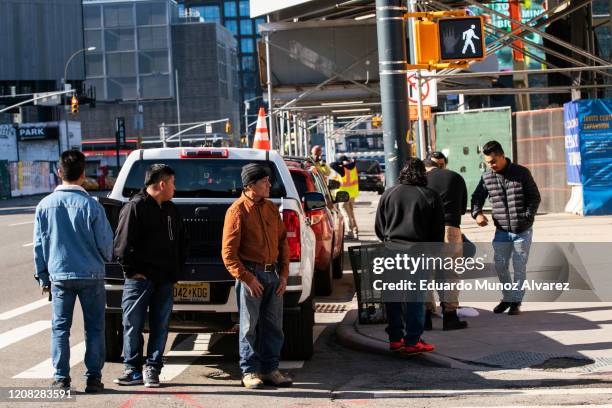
(261, 141)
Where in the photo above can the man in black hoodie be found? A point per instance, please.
(150, 244)
(453, 191)
(409, 212)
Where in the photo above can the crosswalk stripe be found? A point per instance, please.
(21, 223)
(498, 392)
(24, 309)
(23, 332)
(170, 371)
(46, 370)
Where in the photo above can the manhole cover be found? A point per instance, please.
(330, 308)
(526, 359)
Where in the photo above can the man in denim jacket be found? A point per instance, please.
(72, 239)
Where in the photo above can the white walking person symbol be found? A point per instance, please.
(467, 36)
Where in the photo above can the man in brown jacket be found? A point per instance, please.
(256, 253)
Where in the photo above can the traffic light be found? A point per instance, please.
(228, 127)
(376, 121)
(74, 104)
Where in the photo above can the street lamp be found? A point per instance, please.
(64, 83)
(246, 116)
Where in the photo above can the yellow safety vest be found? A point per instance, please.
(350, 182)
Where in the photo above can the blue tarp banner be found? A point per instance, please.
(595, 140)
(572, 144)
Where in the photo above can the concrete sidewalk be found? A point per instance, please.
(572, 338)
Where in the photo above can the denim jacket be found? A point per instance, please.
(72, 236)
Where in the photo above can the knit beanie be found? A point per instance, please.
(253, 172)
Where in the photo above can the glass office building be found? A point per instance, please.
(234, 15)
(133, 52)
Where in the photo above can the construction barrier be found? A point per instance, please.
(29, 178)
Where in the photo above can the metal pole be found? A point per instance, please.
(178, 105)
(390, 27)
(269, 80)
(420, 125)
(281, 135)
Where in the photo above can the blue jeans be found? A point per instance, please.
(138, 296)
(92, 297)
(405, 320)
(261, 325)
(508, 245)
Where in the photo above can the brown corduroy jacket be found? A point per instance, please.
(253, 231)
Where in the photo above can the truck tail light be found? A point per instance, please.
(292, 225)
(204, 154)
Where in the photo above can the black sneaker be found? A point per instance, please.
(151, 377)
(515, 309)
(62, 384)
(129, 378)
(94, 385)
(502, 307)
(451, 321)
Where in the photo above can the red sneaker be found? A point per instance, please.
(396, 346)
(426, 347)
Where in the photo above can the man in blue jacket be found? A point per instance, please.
(72, 239)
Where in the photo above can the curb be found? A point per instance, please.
(348, 335)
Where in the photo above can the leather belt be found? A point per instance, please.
(260, 267)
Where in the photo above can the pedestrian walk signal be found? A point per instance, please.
(461, 39)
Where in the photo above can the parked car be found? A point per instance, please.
(207, 182)
(327, 223)
(371, 176)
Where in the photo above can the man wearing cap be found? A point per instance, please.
(346, 174)
(317, 157)
(150, 245)
(255, 251)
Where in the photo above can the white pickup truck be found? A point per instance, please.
(207, 182)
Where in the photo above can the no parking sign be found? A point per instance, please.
(429, 89)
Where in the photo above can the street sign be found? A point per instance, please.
(208, 128)
(461, 39)
(53, 100)
(413, 112)
(120, 130)
(429, 89)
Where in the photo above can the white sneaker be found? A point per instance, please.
(252, 381)
(467, 312)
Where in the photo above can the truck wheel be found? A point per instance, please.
(113, 334)
(324, 281)
(338, 264)
(297, 327)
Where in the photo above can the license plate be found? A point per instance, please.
(192, 292)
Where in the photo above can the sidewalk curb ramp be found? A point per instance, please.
(348, 335)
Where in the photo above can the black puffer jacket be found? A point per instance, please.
(514, 197)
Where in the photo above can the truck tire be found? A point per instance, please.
(324, 281)
(338, 264)
(113, 334)
(297, 327)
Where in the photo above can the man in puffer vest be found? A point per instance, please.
(515, 199)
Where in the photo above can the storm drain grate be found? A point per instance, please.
(330, 308)
(526, 359)
(600, 362)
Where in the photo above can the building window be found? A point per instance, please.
(93, 38)
(244, 8)
(246, 27)
(121, 64)
(247, 46)
(98, 85)
(94, 65)
(248, 63)
(208, 13)
(155, 86)
(92, 16)
(122, 88)
(151, 14)
(118, 15)
(151, 38)
(229, 9)
(232, 25)
(119, 39)
(153, 62)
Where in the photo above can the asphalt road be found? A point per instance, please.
(198, 375)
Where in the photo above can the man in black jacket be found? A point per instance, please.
(453, 191)
(409, 212)
(150, 245)
(515, 200)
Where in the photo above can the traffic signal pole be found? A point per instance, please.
(391, 32)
